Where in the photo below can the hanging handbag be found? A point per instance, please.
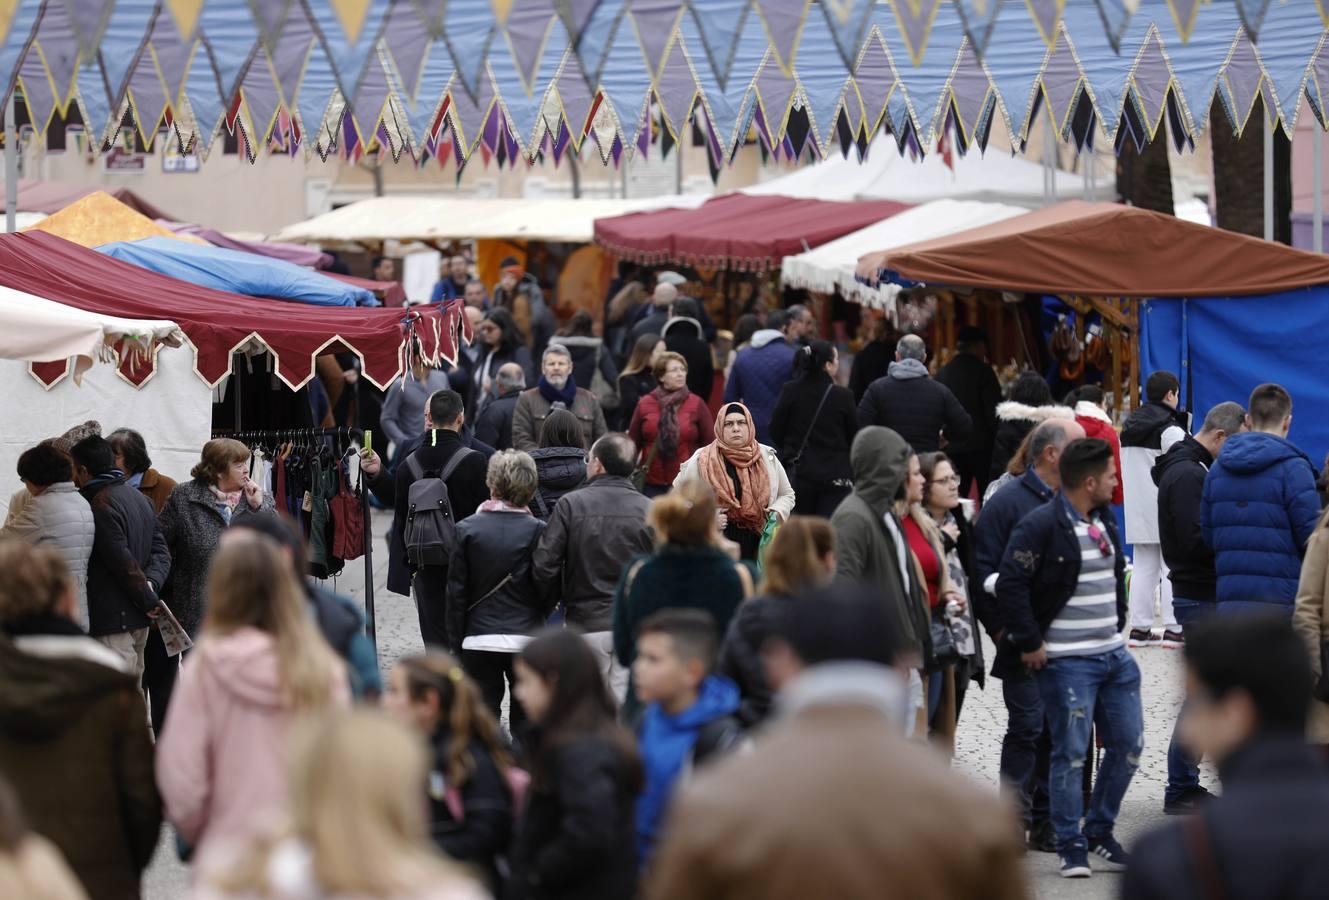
(639, 474)
(348, 517)
(791, 468)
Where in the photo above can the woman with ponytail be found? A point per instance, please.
(470, 801)
(812, 428)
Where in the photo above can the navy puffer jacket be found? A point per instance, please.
(1258, 511)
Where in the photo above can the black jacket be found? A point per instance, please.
(870, 363)
(466, 491)
(130, 561)
(683, 336)
(829, 438)
(1180, 474)
(632, 388)
(485, 830)
(560, 469)
(591, 533)
(1038, 576)
(1010, 434)
(1145, 426)
(494, 424)
(740, 654)
(1266, 834)
(992, 531)
(916, 408)
(975, 385)
(490, 586)
(577, 840)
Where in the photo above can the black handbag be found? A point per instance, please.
(791, 467)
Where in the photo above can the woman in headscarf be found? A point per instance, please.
(749, 483)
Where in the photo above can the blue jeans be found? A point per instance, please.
(1024, 749)
(1183, 772)
(935, 682)
(1077, 691)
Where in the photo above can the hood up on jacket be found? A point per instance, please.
(880, 461)
(1183, 452)
(905, 369)
(765, 336)
(244, 664)
(685, 322)
(49, 681)
(1254, 451)
(1011, 411)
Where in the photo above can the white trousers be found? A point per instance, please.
(616, 677)
(1150, 577)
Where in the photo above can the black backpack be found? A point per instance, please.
(431, 529)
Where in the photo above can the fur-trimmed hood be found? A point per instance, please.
(1092, 411)
(1011, 411)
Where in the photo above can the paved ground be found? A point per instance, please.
(981, 727)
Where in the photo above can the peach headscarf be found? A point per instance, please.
(755, 481)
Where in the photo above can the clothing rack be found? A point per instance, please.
(344, 437)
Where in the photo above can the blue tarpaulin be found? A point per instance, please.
(237, 272)
(1223, 347)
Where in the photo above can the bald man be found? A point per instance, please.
(494, 424)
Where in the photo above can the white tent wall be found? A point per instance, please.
(173, 411)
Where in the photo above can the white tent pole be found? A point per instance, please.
(11, 167)
(1319, 189)
(1268, 180)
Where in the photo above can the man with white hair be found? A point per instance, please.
(680, 283)
(911, 403)
(555, 390)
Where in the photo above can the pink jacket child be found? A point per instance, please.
(221, 760)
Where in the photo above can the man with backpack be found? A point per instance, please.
(438, 485)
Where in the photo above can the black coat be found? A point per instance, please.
(494, 424)
(1180, 474)
(829, 438)
(490, 586)
(485, 830)
(870, 363)
(740, 654)
(1038, 576)
(577, 839)
(1266, 834)
(992, 531)
(632, 388)
(917, 409)
(683, 336)
(1010, 435)
(130, 561)
(975, 385)
(560, 469)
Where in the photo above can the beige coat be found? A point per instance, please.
(1311, 621)
(782, 492)
(532, 409)
(834, 802)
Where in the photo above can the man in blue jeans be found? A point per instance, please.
(1061, 598)
(1180, 475)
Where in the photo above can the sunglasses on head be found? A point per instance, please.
(1104, 545)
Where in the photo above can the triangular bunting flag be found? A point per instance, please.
(56, 47)
(1047, 16)
(468, 31)
(575, 14)
(1184, 13)
(88, 18)
(1061, 81)
(1241, 82)
(875, 80)
(349, 31)
(431, 16)
(978, 17)
(270, 17)
(1149, 82)
(676, 90)
(784, 20)
(575, 100)
(185, 14)
(719, 23)
(848, 22)
(528, 30)
(656, 23)
(775, 93)
(915, 20)
(1116, 18)
(407, 46)
(1252, 15)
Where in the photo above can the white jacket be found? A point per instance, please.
(782, 492)
(59, 516)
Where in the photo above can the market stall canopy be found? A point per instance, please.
(435, 218)
(830, 267)
(36, 330)
(537, 76)
(50, 197)
(1101, 250)
(238, 272)
(99, 218)
(736, 231)
(292, 253)
(885, 174)
(390, 292)
(219, 324)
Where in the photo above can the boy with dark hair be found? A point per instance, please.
(1248, 691)
(1061, 607)
(689, 711)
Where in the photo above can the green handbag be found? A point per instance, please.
(767, 535)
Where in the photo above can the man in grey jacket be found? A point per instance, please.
(592, 534)
(912, 403)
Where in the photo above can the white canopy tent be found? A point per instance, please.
(886, 175)
(435, 218)
(830, 267)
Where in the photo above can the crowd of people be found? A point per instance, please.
(693, 627)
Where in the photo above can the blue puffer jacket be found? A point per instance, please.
(759, 372)
(1258, 511)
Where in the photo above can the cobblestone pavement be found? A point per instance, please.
(982, 725)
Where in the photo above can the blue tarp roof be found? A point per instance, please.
(237, 272)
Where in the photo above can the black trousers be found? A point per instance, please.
(430, 588)
(974, 468)
(159, 674)
(817, 498)
(492, 671)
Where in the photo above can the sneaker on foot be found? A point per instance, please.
(1113, 854)
(1173, 640)
(1075, 863)
(1041, 838)
(1141, 637)
(1188, 802)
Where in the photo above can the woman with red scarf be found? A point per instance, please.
(669, 424)
(749, 483)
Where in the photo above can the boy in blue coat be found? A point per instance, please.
(689, 712)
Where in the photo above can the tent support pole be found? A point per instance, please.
(1318, 234)
(11, 167)
(1268, 179)
(1133, 314)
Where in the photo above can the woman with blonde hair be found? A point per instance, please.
(356, 825)
(196, 514)
(260, 664)
(690, 568)
(801, 557)
(470, 801)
